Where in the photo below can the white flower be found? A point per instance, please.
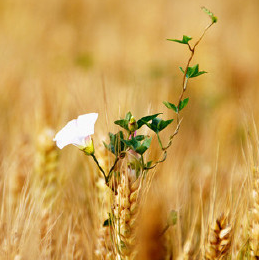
(77, 132)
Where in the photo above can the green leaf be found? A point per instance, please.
(142, 121)
(123, 123)
(163, 124)
(172, 218)
(116, 144)
(137, 146)
(158, 124)
(109, 147)
(200, 73)
(193, 71)
(183, 103)
(171, 106)
(144, 146)
(140, 137)
(181, 69)
(214, 19)
(148, 164)
(133, 143)
(185, 40)
(128, 116)
(154, 124)
(107, 222)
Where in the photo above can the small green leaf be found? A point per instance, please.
(214, 19)
(144, 146)
(193, 71)
(200, 73)
(163, 124)
(171, 106)
(183, 103)
(146, 119)
(108, 147)
(123, 123)
(148, 164)
(158, 124)
(154, 124)
(181, 69)
(133, 143)
(172, 218)
(107, 222)
(185, 40)
(140, 137)
(137, 146)
(116, 144)
(128, 116)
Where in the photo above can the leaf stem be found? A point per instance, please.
(185, 79)
(100, 168)
(142, 161)
(159, 141)
(165, 229)
(112, 168)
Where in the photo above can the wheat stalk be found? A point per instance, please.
(219, 238)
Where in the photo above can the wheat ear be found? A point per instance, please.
(46, 186)
(126, 208)
(218, 243)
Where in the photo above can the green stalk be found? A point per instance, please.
(100, 168)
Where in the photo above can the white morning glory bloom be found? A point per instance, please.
(77, 132)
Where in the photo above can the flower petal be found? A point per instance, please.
(76, 131)
(67, 135)
(86, 123)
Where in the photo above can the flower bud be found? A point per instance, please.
(132, 125)
(89, 146)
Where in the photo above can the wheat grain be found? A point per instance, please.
(126, 206)
(219, 238)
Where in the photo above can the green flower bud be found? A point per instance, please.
(133, 126)
(89, 146)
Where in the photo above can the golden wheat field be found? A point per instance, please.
(63, 58)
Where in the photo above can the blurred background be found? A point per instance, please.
(62, 58)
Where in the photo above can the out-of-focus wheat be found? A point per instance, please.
(152, 242)
(254, 216)
(46, 187)
(51, 55)
(20, 171)
(104, 245)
